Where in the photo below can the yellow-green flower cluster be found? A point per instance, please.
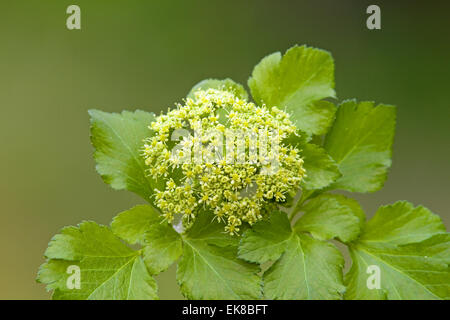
(201, 173)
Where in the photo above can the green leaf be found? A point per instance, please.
(407, 272)
(109, 270)
(401, 223)
(226, 84)
(132, 224)
(297, 139)
(87, 240)
(266, 240)
(304, 268)
(321, 169)
(209, 268)
(163, 246)
(297, 81)
(331, 216)
(437, 247)
(309, 269)
(411, 251)
(208, 230)
(53, 273)
(360, 141)
(118, 140)
(315, 117)
(357, 278)
(143, 224)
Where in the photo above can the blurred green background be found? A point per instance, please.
(148, 54)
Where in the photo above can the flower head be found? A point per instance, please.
(224, 154)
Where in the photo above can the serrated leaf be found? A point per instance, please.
(357, 278)
(225, 84)
(304, 268)
(209, 268)
(210, 231)
(360, 141)
(109, 270)
(112, 279)
(131, 225)
(411, 251)
(163, 246)
(315, 117)
(266, 240)
(297, 81)
(407, 272)
(401, 223)
(438, 247)
(53, 273)
(308, 270)
(87, 240)
(143, 224)
(330, 216)
(321, 169)
(297, 139)
(118, 140)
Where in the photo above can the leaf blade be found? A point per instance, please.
(330, 216)
(297, 81)
(163, 246)
(401, 223)
(118, 140)
(108, 269)
(131, 225)
(266, 240)
(209, 268)
(321, 169)
(360, 141)
(410, 249)
(225, 84)
(308, 270)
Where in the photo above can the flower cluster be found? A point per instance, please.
(240, 180)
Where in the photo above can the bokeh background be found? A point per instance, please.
(147, 54)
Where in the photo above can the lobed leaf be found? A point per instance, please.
(226, 84)
(266, 240)
(304, 268)
(131, 225)
(321, 169)
(308, 270)
(163, 246)
(118, 140)
(360, 141)
(401, 223)
(410, 249)
(109, 270)
(209, 268)
(297, 81)
(330, 216)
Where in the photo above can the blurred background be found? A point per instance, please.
(133, 54)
